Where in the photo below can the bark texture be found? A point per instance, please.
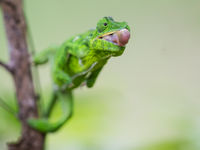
(20, 69)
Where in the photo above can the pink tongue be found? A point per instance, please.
(123, 37)
(120, 37)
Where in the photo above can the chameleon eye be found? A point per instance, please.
(105, 24)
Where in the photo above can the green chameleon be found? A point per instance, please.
(77, 62)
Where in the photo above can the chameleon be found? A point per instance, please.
(77, 62)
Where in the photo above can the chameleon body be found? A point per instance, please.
(77, 62)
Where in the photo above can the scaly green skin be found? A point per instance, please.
(77, 61)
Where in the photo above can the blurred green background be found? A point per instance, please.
(147, 99)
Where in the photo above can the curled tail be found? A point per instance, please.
(45, 126)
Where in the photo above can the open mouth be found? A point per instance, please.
(119, 38)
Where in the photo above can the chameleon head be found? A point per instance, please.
(110, 36)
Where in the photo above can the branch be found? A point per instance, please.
(6, 66)
(15, 26)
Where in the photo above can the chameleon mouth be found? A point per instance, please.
(119, 38)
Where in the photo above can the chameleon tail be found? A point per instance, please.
(51, 104)
(43, 125)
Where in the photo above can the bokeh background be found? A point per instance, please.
(147, 99)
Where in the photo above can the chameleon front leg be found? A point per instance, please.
(43, 56)
(92, 78)
(45, 126)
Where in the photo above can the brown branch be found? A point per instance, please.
(6, 66)
(15, 26)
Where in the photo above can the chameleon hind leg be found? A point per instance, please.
(45, 126)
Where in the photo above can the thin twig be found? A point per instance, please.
(35, 71)
(6, 107)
